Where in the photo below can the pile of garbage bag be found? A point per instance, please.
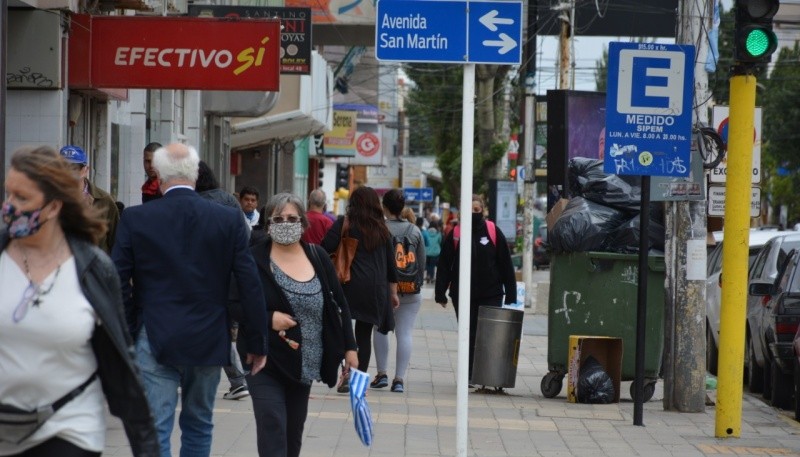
(603, 214)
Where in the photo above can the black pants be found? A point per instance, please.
(56, 447)
(473, 321)
(280, 407)
(363, 334)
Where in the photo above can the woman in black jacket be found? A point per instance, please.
(310, 323)
(492, 274)
(62, 328)
(372, 289)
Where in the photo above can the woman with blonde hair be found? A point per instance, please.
(64, 343)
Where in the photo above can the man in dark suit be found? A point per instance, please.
(175, 257)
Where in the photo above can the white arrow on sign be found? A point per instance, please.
(490, 20)
(505, 43)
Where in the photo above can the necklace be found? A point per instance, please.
(35, 292)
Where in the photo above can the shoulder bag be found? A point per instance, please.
(343, 256)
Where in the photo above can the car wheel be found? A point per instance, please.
(766, 392)
(796, 389)
(782, 387)
(712, 354)
(755, 374)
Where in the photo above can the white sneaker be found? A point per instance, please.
(236, 393)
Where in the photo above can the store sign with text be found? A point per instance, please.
(185, 53)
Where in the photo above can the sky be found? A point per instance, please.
(587, 51)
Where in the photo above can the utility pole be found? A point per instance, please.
(564, 45)
(685, 224)
(529, 143)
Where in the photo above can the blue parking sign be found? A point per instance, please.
(649, 109)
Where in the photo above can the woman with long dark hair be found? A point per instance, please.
(64, 343)
(372, 289)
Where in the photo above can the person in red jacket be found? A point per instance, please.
(318, 222)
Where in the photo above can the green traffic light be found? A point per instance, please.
(757, 42)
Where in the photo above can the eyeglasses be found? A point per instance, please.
(25, 303)
(280, 219)
(292, 343)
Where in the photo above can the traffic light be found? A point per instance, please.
(512, 173)
(321, 178)
(342, 176)
(754, 40)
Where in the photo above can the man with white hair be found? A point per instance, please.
(175, 256)
(318, 222)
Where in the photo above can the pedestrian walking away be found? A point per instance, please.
(432, 249)
(310, 328)
(175, 257)
(372, 290)
(318, 222)
(492, 270)
(410, 299)
(64, 344)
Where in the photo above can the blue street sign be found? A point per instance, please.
(649, 109)
(448, 31)
(415, 194)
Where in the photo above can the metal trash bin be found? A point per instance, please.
(595, 293)
(497, 342)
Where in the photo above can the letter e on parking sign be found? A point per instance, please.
(649, 109)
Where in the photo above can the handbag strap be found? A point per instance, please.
(345, 227)
(73, 393)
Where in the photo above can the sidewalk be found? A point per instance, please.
(421, 421)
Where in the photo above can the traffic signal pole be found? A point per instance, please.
(733, 309)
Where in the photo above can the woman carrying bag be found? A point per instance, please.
(310, 323)
(372, 290)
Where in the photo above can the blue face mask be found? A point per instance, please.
(21, 223)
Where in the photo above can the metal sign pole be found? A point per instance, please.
(465, 260)
(641, 302)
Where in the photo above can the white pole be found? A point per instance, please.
(465, 259)
(528, 194)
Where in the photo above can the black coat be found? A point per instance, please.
(337, 330)
(112, 345)
(370, 274)
(492, 270)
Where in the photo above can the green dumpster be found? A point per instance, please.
(595, 293)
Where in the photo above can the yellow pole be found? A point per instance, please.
(734, 257)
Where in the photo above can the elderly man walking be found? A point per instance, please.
(175, 257)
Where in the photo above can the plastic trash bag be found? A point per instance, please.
(584, 226)
(587, 179)
(594, 384)
(625, 238)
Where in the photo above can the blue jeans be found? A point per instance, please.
(198, 388)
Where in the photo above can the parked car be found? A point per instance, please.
(758, 239)
(796, 347)
(777, 315)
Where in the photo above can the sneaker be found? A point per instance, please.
(236, 393)
(344, 384)
(397, 386)
(380, 381)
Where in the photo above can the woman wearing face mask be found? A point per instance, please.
(492, 270)
(63, 339)
(311, 331)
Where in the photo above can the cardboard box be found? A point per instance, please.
(606, 349)
(555, 213)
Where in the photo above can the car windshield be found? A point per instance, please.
(792, 286)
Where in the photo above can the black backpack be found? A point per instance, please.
(409, 281)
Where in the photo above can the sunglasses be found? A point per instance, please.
(280, 219)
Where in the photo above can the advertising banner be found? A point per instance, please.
(341, 140)
(356, 12)
(295, 36)
(185, 53)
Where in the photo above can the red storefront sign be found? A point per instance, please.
(183, 53)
